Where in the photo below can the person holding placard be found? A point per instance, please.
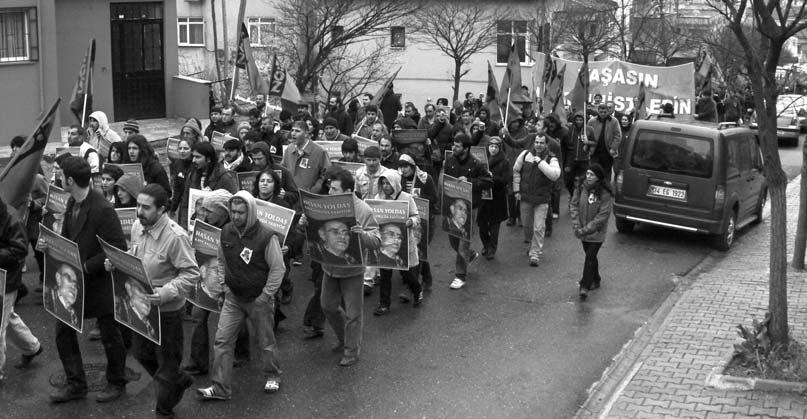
(13, 249)
(208, 174)
(421, 185)
(88, 216)
(139, 151)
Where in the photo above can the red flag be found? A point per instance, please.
(83, 89)
(580, 91)
(512, 77)
(556, 100)
(18, 177)
(640, 111)
(245, 60)
(492, 99)
(384, 89)
(281, 84)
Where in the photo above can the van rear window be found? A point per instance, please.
(673, 153)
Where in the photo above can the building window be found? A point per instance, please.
(261, 31)
(191, 31)
(505, 30)
(398, 37)
(18, 40)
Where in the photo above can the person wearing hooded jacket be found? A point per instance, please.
(99, 128)
(420, 184)
(251, 265)
(493, 212)
(590, 209)
(126, 189)
(574, 152)
(13, 249)
(389, 188)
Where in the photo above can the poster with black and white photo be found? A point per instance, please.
(63, 287)
(246, 180)
(195, 199)
(56, 205)
(131, 288)
(3, 297)
(206, 240)
(421, 233)
(330, 218)
(395, 236)
(457, 199)
(131, 168)
(160, 147)
(481, 154)
(127, 217)
(278, 219)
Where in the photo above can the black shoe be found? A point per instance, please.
(418, 300)
(194, 370)
(404, 298)
(548, 233)
(484, 251)
(312, 333)
(110, 392)
(381, 310)
(490, 255)
(130, 375)
(595, 285)
(240, 362)
(25, 360)
(67, 393)
(347, 361)
(22, 291)
(583, 292)
(368, 290)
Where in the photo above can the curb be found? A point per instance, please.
(716, 379)
(602, 394)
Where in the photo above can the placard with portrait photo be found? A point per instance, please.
(395, 236)
(421, 233)
(206, 241)
(457, 209)
(63, 285)
(330, 218)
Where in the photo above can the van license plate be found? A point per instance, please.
(666, 192)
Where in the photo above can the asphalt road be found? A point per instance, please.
(515, 342)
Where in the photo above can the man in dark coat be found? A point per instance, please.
(88, 214)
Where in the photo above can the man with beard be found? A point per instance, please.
(260, 107)
(331, 129)
(336, 110)
(76, 137)
(268, 135)
(235, 158)
(99, 130)
(389, 155)
(87, 217)
(168, 258)
(61, 299)
(463, 166)
(429, 117)
(207, 174)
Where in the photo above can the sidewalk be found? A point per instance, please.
(663, 371)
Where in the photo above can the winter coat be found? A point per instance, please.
(612, 131)
(441, 134)
(13, 248)
(103, 131)
(180, 170)
(394, 178)
(218, 179)
(517, 141)
(533, 176)
(590, 210)
(496, 210)
(473, 170)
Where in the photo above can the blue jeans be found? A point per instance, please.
(347, 323)
(260, 312)
(533, 217)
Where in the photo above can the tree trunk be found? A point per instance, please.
(801, 230)
(457, 75)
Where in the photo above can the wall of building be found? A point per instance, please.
(30, 87)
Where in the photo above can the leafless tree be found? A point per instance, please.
(584, 27)
(776, 21)
(353, 71)
(313, 34)
(459, 29)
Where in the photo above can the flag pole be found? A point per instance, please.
(86, 92)
(507, 109)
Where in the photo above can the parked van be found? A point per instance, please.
(692, 176)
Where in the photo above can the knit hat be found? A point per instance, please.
(330, 122)
(193, 127)
(131, 125)
(217, 199)
(598, 170)
(262, 147)
(242, 125)
(232, 144)
(372, 152)
(495, 140)
(406, 159)
(130, 183)
(350, 146)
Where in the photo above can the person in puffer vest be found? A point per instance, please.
(251, 263)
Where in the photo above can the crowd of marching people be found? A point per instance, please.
(530, 160)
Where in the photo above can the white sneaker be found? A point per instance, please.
(457, 284)
(271, 386)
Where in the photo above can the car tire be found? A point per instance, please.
(763, 198)
(623, 225)
(724, 240)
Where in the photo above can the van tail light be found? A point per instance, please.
(619, 179)
(720, 196)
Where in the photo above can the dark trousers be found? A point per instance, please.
(314, 317)
(162, 362)
(70, 354)
(200, 341)
(513, 208)
(287, 286)
(606, 161)
(410, 278)
(489, 233)
(591, 267)
(577, 170)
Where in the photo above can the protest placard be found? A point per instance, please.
(364, 143)
(246, 180)
(103, 148)
(421, 233)
(395, 237)
(457, 199)
(127, 217)
(219, 139)
(195, 198)
(131, 287)
(74, 151)
(482, 155)
(333, 148)
(349, 166)
(413, 143)
(131, 168)
(172, 148)
(206, 241)
(278, 219)
(63, 279)
(160, 147)
(56, 205)
(330, 218)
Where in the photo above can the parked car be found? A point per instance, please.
(791, 119)
(689, 175)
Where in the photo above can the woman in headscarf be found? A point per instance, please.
(590, 209)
